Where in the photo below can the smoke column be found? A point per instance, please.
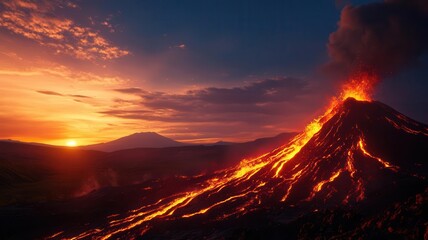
(379, 38)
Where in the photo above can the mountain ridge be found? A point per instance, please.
(165, 142)
(135, 140)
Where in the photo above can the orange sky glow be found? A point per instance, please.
(61, 79)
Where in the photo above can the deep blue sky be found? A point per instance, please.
(226, 40)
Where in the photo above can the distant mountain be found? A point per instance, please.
(155, 140)
(136, 140)
(221, 143)
(276, 140)
(28, 143)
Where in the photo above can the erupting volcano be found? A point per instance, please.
(358, 153)
(191, 119)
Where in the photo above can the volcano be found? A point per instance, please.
(359, 155)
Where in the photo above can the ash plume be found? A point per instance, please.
(380, 38)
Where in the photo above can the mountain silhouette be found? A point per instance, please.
(366, 156)
(136, 140)
(31, 171)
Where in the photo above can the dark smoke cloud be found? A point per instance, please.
(382, 38)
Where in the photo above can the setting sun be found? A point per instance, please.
(71, 143)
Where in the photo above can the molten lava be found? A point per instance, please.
(272, 177)
(359, 87)
(383, 162)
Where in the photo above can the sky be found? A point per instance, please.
(194, 71)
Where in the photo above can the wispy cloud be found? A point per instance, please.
(256, 109)
(65, 73)
(19, 73)
(38, 22)
(79, 96)
(50, 93)
(132, 90)
(53, 93)
(76, 75)
(254, 103)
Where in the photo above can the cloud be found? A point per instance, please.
(270, 90)
(72, 75)
(132, 90)
(78, 96)
(38, 22)
(181, 46)
(255, 103)
(382, 38)
(19, 73)
(11, 55)
(52, 93)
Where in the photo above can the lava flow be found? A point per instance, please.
(324, 164)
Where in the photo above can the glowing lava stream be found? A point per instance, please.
(384, 163)
(268, 168)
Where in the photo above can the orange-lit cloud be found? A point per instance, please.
(50, 103)
(205, 114)
(36, 22)
(47, 92)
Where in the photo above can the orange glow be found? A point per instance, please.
(381, 161)
(71, 143)
(320, 185)
(52, 111)
(294, 179)
(358, 181)
(360, 87)
(55, 235)
(350, 165)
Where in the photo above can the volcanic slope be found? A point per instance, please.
(358, 153)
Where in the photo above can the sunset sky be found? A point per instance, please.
(195, 71)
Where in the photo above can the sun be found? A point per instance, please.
(71, 143)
